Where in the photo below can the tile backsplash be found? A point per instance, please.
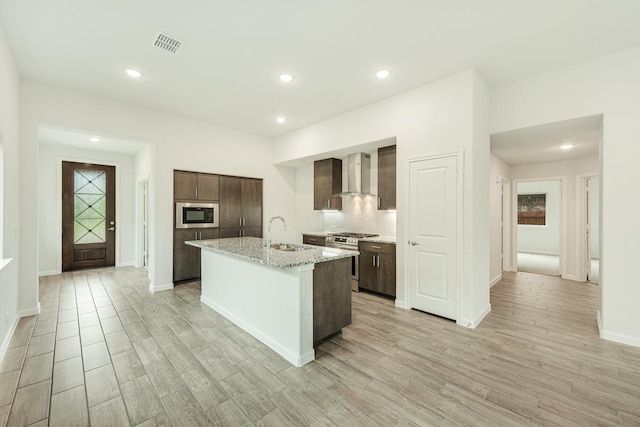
(360, 214)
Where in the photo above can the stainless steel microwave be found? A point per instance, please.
(197, 215)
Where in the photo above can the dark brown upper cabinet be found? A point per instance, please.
(327, 181)
(387, 178)
(195, 186)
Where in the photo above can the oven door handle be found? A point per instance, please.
(339, 246)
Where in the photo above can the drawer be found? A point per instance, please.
(313, 240)
(384, 248)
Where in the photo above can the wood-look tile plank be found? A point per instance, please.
(109, 414)
(67, 348)
(41, 344)
(228, 413)
(67, 374)
(118, 342)
(69, 409)
(95, 355)
(67, 329)
(36, 369)
(31, 404)
(8, 386)
(205, 388)
(102, 385)
(183, 410)
(140, 399)
(164, 377)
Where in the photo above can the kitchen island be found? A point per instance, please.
(288, 299)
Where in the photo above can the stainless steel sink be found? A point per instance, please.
(288, 247)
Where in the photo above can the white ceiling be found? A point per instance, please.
(227, 72)
(80, 139)
(541, 144)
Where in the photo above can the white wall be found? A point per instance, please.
(49, 219)
(608, 85)
(443, 117)
(178, 143)
(542, 239)
(500, 173)
(10, 304)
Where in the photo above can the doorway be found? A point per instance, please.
(539, 227)
(88, 215)
(433, 228)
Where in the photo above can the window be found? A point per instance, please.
(532, 209)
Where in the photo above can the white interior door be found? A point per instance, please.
(433, 210)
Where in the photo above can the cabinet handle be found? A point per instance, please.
(195, 236)
(196, 192)
(328, 203)
(378, 261)
(312, 240)
(240, 222)
(244, 221)
(375, 247)
(374, 260)
(379, 201)
(200, 235)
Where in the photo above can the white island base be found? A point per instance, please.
(274, 305)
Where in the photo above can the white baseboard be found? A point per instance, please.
(495, 280)
(619, 338)
(400, 303)
(158, 288)
(599, 320)
(29, 311)
(572, 277)
(127, 264)
(49, 273)
(472, 324)
(7, 338)
(297, 360)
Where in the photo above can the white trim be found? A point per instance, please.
(7, 338)
(472, 324)
(581, 212)
(400, 303)
(619, 338)
(127, 264)
(460, 215)
(495, 280)
(48, 273)
(117, 166)
(29, 311)
(572, 277)
(153, 288)
(599, 320)
(4, 262)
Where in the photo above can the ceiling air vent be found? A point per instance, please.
(167, 43)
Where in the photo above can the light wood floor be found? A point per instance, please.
(105, 352)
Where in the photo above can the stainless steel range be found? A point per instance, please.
(348, 241)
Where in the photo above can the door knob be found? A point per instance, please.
(413, 243)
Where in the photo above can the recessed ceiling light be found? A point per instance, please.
(286, 78)
(133, 73)
(280, 119)
(382, 74)
(94, 139)
(566, 146)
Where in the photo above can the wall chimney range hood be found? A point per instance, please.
(358, 175)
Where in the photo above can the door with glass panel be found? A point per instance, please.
(88, 216)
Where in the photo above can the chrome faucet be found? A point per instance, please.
(269, 229)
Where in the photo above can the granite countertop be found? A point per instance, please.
(380, 239)
(253, 249)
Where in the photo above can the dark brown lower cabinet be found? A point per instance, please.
(331, 298)
(186, 259)
(378, 267)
